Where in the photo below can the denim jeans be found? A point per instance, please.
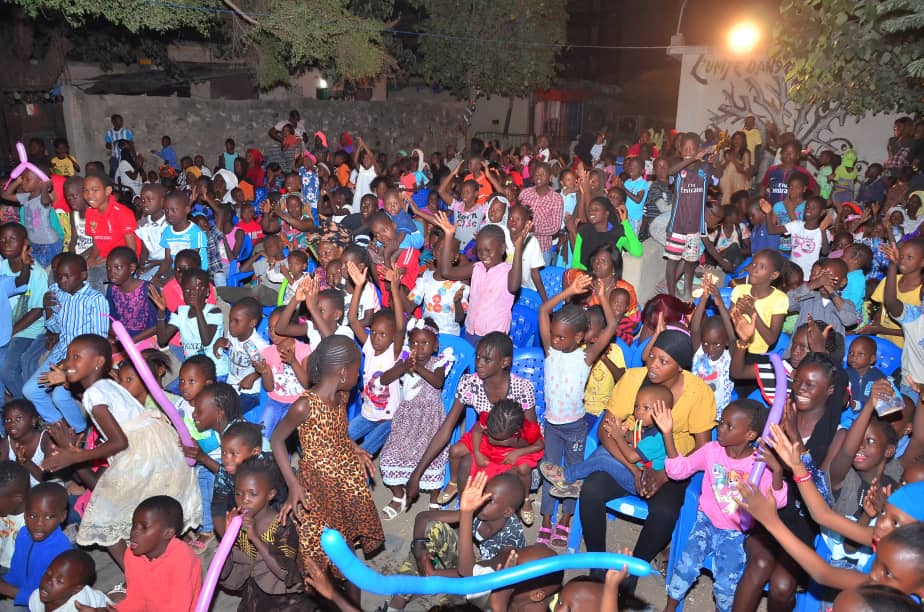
(22, 359)
(207, 487)
(44, 253)
(372, 433)
(602, 461)
(566, 442)
(273, 412)
(727, 545)
(549, 257)
(54, 403)
(3, 352)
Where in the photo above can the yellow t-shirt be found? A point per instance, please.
(694, 413)
(600, 383)
(912, 298)
(63, 167)
(753, 140)
(777, 303)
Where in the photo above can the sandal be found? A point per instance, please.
(448, 494)
(544, 536)
(572, 491)
(118, 589)
(527, 513)
(561, 536)
(389, 511)
(434, 506)
(554, 473)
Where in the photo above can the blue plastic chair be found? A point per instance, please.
(890, 355)
(739, 271)
(529, 363)
(235, 277)
(530, 299)
(552, 279)
(524, 325)
(631, 506)
(464, 354)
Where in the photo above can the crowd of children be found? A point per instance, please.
(309, 319)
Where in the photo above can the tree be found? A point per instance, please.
(490, 47)
(858, 55)
(284, 37)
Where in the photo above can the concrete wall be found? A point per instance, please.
(199, 125)
(717, 90)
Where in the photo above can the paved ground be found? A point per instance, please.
(620, 533)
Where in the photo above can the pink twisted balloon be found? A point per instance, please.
(24, 164)
(218, 561)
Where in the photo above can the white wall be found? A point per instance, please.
(717, 90)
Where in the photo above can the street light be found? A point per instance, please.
(743, 37)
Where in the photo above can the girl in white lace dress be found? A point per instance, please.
(141, 446)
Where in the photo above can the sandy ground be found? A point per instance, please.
(620, 533)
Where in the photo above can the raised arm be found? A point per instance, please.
(463, 271)
(763, 508)
(443, 190)
(359, 281)
(890, 294)
(581, 285)
(593, 352)
(515, 275)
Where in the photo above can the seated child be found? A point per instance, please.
(244, 345)
(295, 273)
(502, 440)
(283, 371)
(198, 323)
(862, 463)
(66, 583)
(157, 557)
(718, 530)
(862, 373)
(407, 258)
(239, 442)
(25, 442)
(859, 258)
(820, 298)
(39, 543)
(436, 548)
(382, 367)
(326, 310)
(620, 453)
(711, 336)
(264, 562)
(409, 236)
(14, 486)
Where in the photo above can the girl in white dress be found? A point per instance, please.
(141, 446)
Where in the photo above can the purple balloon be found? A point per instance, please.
(218, 561)
(141, 366)
(776, 413)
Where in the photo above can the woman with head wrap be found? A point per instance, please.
(669, 358)
(223, 182)
(255, 172)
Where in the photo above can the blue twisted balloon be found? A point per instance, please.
(367, 579)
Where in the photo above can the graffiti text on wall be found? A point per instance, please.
(709, 67)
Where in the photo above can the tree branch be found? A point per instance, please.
(240, 13)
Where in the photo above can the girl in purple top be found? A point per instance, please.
(128, 297)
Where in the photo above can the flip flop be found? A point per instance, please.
(560, 537)
(447, 495)
(544, 535)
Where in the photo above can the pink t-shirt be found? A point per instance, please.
(489, 302)
(286, 387)
(719, 497)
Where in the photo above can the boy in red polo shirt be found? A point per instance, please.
(110, 224)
